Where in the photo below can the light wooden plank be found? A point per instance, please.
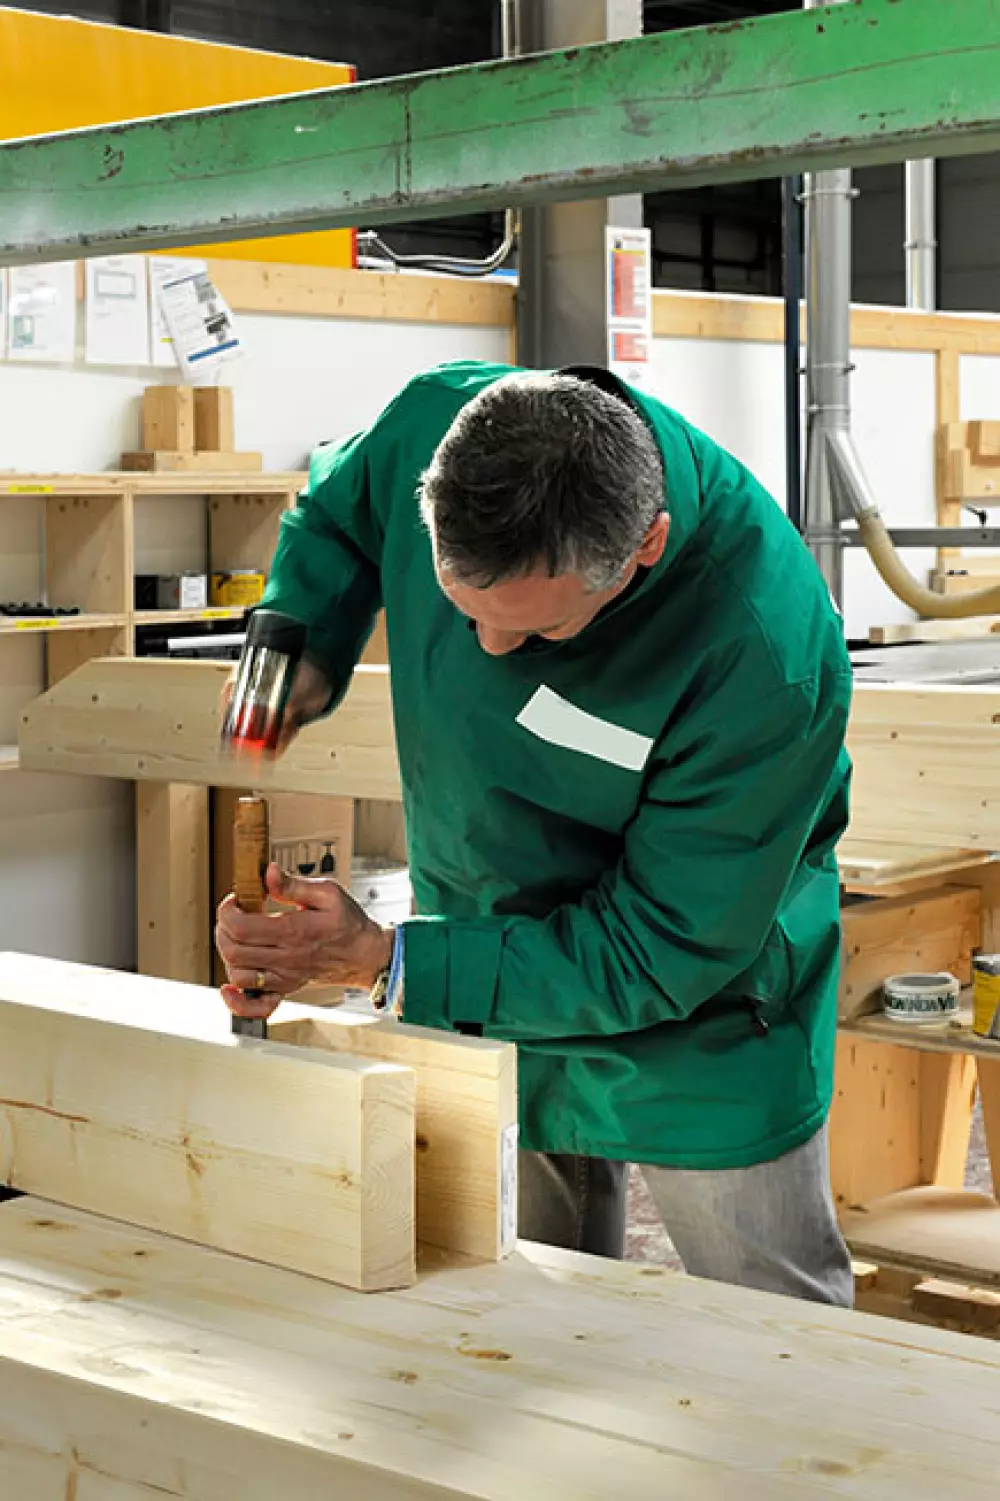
(989, 1093)
(117, 482)
(152, 720)
(50, 625)
(966, 581)
(934, 1229)
(172, 881)
(974, 629)
(201, 461)
(947, 1097)
(883, 862)
(948, 408)
(926, 765)
(326, 292)
(955, 1036)
(86, 553)
(874, 1120)
(549, 1375)
(113, 1099)
(685, 315)
(243, 531)
(466, 1123)
(936, 930)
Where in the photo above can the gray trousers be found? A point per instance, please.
(772, 1226)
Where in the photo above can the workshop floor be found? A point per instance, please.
(648, 1241)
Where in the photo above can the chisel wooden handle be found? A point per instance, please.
(251, 853)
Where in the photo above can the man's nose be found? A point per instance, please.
(498, 643)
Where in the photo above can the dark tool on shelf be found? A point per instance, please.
(251, 852)
(271, 653)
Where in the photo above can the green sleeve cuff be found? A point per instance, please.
(452, 971)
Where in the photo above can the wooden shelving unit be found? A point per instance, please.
(89, 528)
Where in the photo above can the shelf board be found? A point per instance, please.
(173, 617)
(11, 625)
(938, 1231)
(955, 1036)
(9, 757)
(117, 482)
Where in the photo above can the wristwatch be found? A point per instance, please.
(386, 993)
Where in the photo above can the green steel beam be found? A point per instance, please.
(872, 81)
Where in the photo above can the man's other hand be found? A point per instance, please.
(323, 935)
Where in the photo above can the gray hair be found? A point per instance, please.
(547, 470)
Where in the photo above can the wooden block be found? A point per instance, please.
(172, 881)
(158, 720)
(136, 1368)
(214, 421)
(168, 418)
(131, 1097)
(984, 442)
(966, 480)
(865, 1275)
(968, 581)
(976, 1308)
(165, 461)
(936, 930)
(975, 628)
(466, 1122)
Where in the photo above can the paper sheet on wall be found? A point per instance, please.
(629, 304)
(201, 325)
(41, 312)
(163, 269)
(116, 329)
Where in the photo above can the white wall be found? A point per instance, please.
(735, 392)
(67, 844)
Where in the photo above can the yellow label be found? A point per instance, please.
(986, 1004)
(35, 625)
(30, 489)
(215, 614)
(237, 590)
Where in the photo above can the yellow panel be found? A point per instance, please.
(57, 73)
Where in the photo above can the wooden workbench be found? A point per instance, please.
(134, 1367)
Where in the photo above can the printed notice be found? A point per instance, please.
(116, 330)
(41, 312)
(163, 269)
(200, 323)
(629, 303)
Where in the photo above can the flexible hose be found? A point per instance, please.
(900, 580)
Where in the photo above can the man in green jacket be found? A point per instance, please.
(620, 692)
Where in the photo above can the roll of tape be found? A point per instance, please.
(921, 999)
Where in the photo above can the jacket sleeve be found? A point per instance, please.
(726, 814)
(326, 567)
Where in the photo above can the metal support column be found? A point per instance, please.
(921, 235)
(561, 264)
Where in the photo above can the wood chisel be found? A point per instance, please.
(251, 853)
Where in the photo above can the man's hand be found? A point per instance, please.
(323, 936)
(309, 696)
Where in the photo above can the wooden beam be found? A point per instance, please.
(151, 720)
(134, 1367)
(976, 628)
(172, 881)
(947, 1097)
(327, 292)
(926, 765)
(466, 1123)
(120, 1096)
(686, 315)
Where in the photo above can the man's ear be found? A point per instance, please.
(652, 545)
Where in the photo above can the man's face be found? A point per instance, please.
(506, 614)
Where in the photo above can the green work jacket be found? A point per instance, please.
(621, 845)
